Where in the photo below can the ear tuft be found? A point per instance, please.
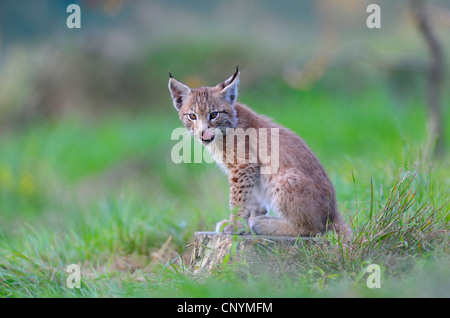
(178, 91)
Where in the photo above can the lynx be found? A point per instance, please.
(298, 191)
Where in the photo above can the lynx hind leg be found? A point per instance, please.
(303, 206)
(271, 225)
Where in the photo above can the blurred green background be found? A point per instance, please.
(86, 118)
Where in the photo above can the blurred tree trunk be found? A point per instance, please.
(436, 72)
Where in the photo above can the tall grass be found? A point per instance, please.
(398, 234)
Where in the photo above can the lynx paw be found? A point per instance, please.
(220, 227)
(257, 226)
(227, 227)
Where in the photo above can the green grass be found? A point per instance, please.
(103, 193)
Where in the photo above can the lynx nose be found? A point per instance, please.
(207, 135)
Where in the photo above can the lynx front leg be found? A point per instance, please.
(243, 202)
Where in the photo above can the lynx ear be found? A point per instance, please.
(228, 89)
(179, 92)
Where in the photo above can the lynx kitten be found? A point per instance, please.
(298, 191)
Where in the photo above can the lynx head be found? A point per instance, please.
(205, 111)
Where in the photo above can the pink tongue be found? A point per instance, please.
(207, 135)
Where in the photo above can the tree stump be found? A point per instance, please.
(212, 250)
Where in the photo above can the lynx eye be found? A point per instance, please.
(213, 115)
(192, 116)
